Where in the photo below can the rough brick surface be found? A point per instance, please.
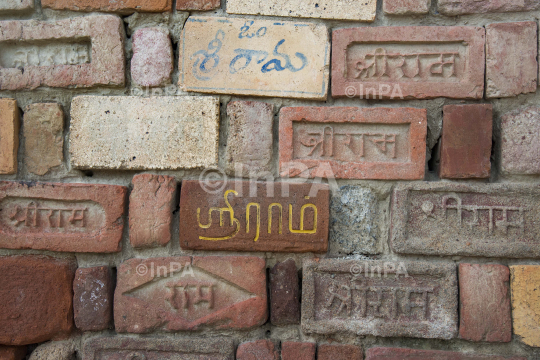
(462, 7)
(291, 350)
(339, 352)
(61, 217)
(56, 350)
(152, 61)
(250, 141)
(406, 7)
(485, 303)
(352, 143)
(93, 290)
(520, 141)
(511, 59)
(8, 6)
(122, 6)
(257, 350)
(43, 310)
(525, 285)
(356, 73)
(9, 136)
(411, 354)
(151, 206)
(466, 141)
(284, 294)
(12, 352)
(200, 5)
(99, 60)
(183, 293)
(43, 130)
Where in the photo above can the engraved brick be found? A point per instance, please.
(257, 350)
(526, 303)
(466, 219)
(43, 309)
(406, 7)
(222, 55)
(462, 7)
(339, 352)
(485, 303)
(93, 298)
(7, 6)
(12, 352)
(511, 59)
(116, 348)
(152, 62)
(151, 205)
(520, 141)
(353, 143)
(291, 350)
(43, 130)
(129, 132)
(258, 216)
(284, 294)
(123, 6)
(200, 5)
(250, 141)
(466, 141)
(412, 354)
(411, 299)
(412, 62)
(78, 52)
(9, 135)
(61, 217)
(184, 293)
(359, 10)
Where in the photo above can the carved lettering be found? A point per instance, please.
(25, 54)
(185, 294)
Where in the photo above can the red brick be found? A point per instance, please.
(93, 298)
(485, 303)
(329, 142)
(466, 141)
(410, 354)
(462, 7)
(200, 5)
(36, 297)
(520, 141)
(61, 217)
(9, 133)
(202, 202)
(284, 294)
(183, 293)
(12, 352)
(461, 77)
(152, 62)
(123, 6)
(97, 59)
(291, 350)
(151, 205)
(406, 7)
(511, 65)
(339, 352)
(257, 350)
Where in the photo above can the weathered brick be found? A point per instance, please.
(151, 206)
(129, 132)
(12, 352)
(525, 282)
(420, 62)
(43, 309)
(152, 61)
(250, 140)
(222, 55)
(492, 220)
(485, 303)
(511, 59)
(184, 293)
(77, 52)
(262, 216)
(7, 6)
(105, 348)
(406, 7)
(462, 7)
(199, 5)
(43, 129)
(57, 350)
(389, 299)
(284, 294)
(520, 141)
(93, 290)
(123, 6)
(353, 143)
(466, 141)
(257, 350)
(359, 10)
(339, 352)
(61, 217)
(291, 350)
(9, 133)
(412, 354)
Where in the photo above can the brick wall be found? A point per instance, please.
(269, 179)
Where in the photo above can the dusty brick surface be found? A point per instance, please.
(291, 350)
(152, 61)
(93, 290)
(122, 6)
(339, 352)
(151, 206)
(43, 132)
(406, 7)
(411, 354)
(98, 61)
(9, 135)
(462, 7)
(201, 5)
(520, 141)
(8, 6)
(61, 217)
(12, 352)
(484, 303)
(257, 350)
(284, 294)
(525, 283)
(466, 141)
(45, 311)
(511, 59)
(57, 350)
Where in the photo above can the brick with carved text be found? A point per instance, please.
(495, 220)
(410, 62)
(284, 294)
(292, 350)
(152, 61)
(257, 350)
(93, 291)
(9, 133)
(406, 7)
(79, 52)
(123, 6)
(352, 143)
(339, 352)
(254, 216)
(524, 282)
(463, 7)
(190, 293)
(12, 352)
(61, 217)
(412, 354)
(200, 5)
(520, 141)
(9, 6)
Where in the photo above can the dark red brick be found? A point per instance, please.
(93, 290)
(339, 352)
(291, 350)
(284, 294)
(257, 350)
(12, 352)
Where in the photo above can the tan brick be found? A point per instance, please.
(413, 354)
(8, 6)
(122, 6)
(406, 7)
(462, 7)
(9, 136)
(525, 285)
(520, 141)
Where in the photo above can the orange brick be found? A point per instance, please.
(9, 135)
(122, 6)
